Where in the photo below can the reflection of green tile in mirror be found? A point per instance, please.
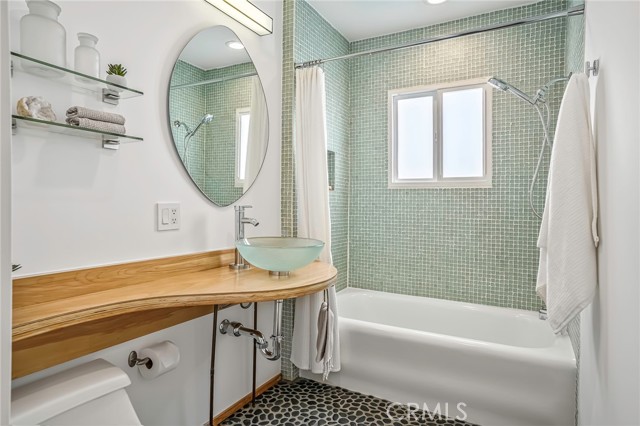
(223, 99)
(210, 84)
(211, 155)
(188, 105)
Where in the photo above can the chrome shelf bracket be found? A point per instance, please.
(110, 142)
(111, 97)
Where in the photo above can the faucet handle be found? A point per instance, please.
(241, 208)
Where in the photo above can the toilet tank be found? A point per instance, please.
(90, 394)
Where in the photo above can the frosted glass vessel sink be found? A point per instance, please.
(279, 254)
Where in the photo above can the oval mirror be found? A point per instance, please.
(218, 115)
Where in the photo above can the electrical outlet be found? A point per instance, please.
(168, 216)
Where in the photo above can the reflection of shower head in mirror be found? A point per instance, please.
(179, 124)
(208, 118)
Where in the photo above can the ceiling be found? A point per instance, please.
(361, 19)
(208, 49)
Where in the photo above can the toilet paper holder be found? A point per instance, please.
(134, 360)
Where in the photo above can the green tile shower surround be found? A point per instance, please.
(190, 104)
(300, 46)
(475, 245)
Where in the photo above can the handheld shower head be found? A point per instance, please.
(506, 87)
(498, 84)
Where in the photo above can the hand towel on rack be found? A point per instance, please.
(101, 126)
(92, 114)
(567, 274)
(324, 343)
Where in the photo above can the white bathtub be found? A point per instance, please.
(506, 365)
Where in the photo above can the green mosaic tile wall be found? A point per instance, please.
(287, 196)
(474, 245)
(211, 153)
(337, 76)
(305, 47)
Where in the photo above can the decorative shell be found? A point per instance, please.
(36, 107)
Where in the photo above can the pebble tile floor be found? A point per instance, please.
(309, 403)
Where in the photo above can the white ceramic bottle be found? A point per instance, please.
(41, 35)
(86, 56)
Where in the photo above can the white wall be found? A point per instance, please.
(76, 205)
(609, 388)
(5, 219)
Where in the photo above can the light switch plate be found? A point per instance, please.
(168, 216)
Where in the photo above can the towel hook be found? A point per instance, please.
(595, 68)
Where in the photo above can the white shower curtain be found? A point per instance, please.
(312, 190)
(258, 134)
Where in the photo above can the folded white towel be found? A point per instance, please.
(92, 114)
(102, 126)
(567, 275)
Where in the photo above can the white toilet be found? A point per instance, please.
(90, 394)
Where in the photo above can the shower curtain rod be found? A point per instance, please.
(214, 80)
(573, 11)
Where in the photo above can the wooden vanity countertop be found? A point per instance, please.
(47, 303)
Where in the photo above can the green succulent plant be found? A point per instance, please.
(116, 69)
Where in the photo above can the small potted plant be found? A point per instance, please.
(115, 75)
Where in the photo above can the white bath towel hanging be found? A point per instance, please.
(312, 191)
(567, 275)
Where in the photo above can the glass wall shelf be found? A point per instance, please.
(83, 82)
(109, 140)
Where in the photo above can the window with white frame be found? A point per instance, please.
(242, 137)
(440, 136)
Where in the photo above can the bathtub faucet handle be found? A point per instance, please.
(542, 314)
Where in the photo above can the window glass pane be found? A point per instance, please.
(244, 138)
(463, 133)
(415, 138)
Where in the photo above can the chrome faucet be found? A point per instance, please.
(240, 222)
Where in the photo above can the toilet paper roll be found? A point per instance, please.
(165, 357)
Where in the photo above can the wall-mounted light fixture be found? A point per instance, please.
(246, 13)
